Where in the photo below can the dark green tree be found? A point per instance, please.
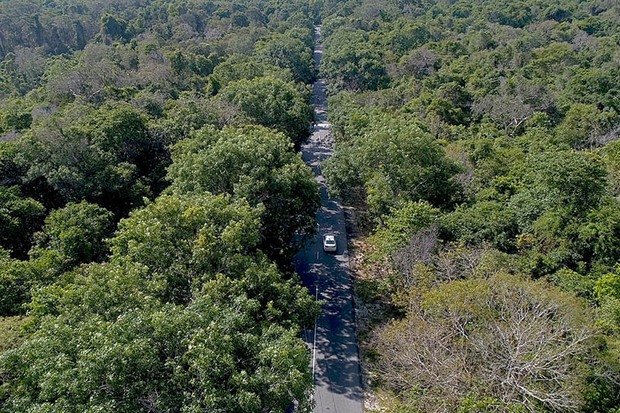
(259, 165)
(287, 52)
(395, 161)
(78, 232)
(273, 103)
(20, 217)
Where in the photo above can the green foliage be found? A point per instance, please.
(601, 233)
(510, 84)
(181, 240)
(608, 318)
(256, 164)
(190, 112)
(15, 117)
(473, 403)
(187, 313)
(77, 232)
(610, 154)
(20, 217)
(114, 28)
(584, 125)
(560, 180)
(13, 331)
(272, 103)
(608, 286)
(239, 67)
(573, 282)
(15, 281)
(525, 93)
(201, 357)
(483, 222)
(11, 169)
(395, 161)
(288, 52)
(402, 224)
(186, 316)
(349, 64)
(108, 157)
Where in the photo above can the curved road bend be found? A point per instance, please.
(333, 342)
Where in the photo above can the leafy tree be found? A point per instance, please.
(573, 282)
(402, 224)
(114, 28)
(593, 86)
(190, 112)
(77, 232)
(20, 217)
(405, 36)
(167, 358)
(15, 117)
(272, 103)
(288, 53)
(610, 155)
(13, 331)
(14, 285)
(259, 165)
(186, 316)
(608, 286)
(240, 67)
(599, 236)
(126, 352)
(570, 181)
(491, 222)
(350, 64)
(585, 126)
(18, 279)
(109, 157)
(395, 161)
(166, 235)
(524, 92)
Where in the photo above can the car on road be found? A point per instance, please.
(329, 243)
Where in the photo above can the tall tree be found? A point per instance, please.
(259, 165)
(273, 103)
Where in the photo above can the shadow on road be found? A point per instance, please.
(335, 360)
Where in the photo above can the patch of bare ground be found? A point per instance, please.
(371, 299)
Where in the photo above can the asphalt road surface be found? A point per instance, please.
(333, 343)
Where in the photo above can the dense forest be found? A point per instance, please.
(477, 143)
(152, 198)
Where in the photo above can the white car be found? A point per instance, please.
(329, 243)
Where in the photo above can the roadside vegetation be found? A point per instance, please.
(152, 197)
(476, 142)
(151, 200)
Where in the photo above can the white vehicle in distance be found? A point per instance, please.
(329, 243)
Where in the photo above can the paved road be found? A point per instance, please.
(333, 342)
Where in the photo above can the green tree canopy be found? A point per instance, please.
(395, 161)
(187, 315)
(20, 217)
(108, 157)
(78, 232)
(241, 67)
(288, 52)
(112, 348)
(351, 64)
(273, 103)
(259, 165)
